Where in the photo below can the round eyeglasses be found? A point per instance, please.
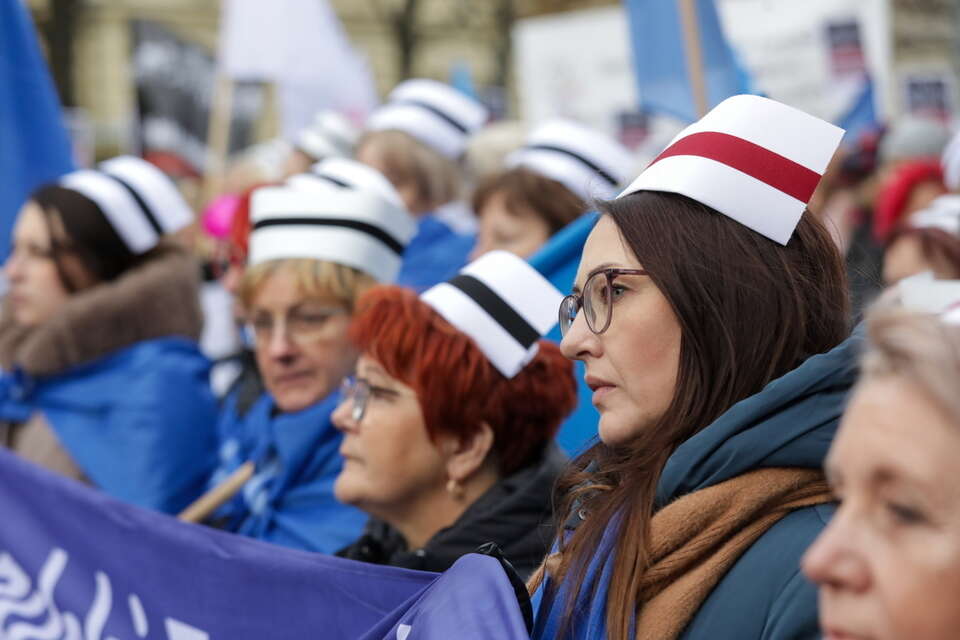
(596, 300)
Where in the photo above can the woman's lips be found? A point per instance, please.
(600, 387)
(348, 457)
(601, 392)
(839, 634)
(292, 378)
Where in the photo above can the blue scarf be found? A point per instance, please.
(139, 423)
(289, 500)
(435, 254)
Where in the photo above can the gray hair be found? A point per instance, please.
(919, 347)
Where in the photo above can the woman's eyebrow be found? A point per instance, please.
(594, 271)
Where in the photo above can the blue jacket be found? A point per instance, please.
(435, 254)
(138, 422)
(790, 423)
(289, 501)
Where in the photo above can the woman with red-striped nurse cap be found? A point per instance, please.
(710, 311)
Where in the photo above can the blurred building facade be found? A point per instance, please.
(89, 43)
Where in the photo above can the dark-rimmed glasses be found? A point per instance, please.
(596, 300)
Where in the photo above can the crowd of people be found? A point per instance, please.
(765, 314)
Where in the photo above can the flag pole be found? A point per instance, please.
(205, 505)
(218, 136)
(691, 41)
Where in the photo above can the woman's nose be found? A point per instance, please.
(12, 268)
(579, 342)
(281, 345)
(835, 559)
(341, 416)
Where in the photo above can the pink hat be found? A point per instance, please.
(218, 216)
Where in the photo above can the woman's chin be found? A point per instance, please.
(347, 487)
(26, 317)
(615, 428)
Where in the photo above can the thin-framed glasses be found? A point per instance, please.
(596, 300)
(358, 391)
(302, 325)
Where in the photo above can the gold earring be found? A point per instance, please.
(454, 489)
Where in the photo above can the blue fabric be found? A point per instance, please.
(660, 59)
(558, 261)
(435, 254)
(791, 423)
(461, 79)
(139, 422)
(34, 147)
(289, 501)
(471, 600)
(74, 558)
(861, 117)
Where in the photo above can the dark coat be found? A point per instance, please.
(515, 514)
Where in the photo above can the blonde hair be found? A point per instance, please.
(918, 347)
(315, 279)
(436, 179)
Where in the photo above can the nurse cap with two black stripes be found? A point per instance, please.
(501, 302)
(587, 162)
(349, 222)
(138, 200)
(434, 113)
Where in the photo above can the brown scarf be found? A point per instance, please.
(698, 538)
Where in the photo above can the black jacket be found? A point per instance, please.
(515, 514)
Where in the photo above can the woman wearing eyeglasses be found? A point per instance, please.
(314, 249)
(708, 308)
(449, 424)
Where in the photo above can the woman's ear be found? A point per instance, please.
(465, 456)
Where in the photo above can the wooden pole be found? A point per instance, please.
(218, 136)
(213, 499)
(691, 42)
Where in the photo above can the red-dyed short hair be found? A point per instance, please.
(240, 225)
(458, 388)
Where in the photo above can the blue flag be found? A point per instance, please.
(660, 58)
(108, 417)
(861, 118)
(34, 147)
(461, 79)
(471, 600)
(75, 563)
(558, 260)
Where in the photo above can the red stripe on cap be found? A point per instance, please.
(769, 167)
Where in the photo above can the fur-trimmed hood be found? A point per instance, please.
(157, 298)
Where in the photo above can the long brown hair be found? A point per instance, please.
(750, 310)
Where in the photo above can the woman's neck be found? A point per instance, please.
(419, 522)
